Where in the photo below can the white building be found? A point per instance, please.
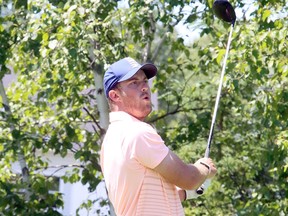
(73, 194)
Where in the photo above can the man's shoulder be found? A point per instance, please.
(141, 127)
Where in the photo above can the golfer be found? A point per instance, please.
(143, 177)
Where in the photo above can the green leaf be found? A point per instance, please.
(16, 134)
(45, 37)
(220, 55)
(191, 18)
(266, 15)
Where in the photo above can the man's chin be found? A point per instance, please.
(146, 112)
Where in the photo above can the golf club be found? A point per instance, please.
(223, 10)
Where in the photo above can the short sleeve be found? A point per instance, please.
(148, 147)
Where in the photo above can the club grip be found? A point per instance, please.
(203, 187)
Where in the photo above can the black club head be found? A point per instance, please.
(224, 10)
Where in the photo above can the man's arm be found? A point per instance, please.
(185, 176)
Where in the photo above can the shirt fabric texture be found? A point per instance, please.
(130, 150)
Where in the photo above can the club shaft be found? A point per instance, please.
(207, 152)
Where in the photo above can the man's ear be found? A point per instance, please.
(114, 95)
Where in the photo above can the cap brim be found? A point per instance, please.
(150, 71)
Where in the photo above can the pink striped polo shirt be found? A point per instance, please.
(130, 151)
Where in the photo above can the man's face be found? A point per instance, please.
(135, 95)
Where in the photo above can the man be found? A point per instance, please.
(143, 177)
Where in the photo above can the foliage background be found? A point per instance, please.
(60, 50)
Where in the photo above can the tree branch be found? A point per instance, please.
(163, 38)
(102, 131)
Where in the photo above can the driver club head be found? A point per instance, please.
(224, 10)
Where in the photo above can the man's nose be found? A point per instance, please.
(145, 86)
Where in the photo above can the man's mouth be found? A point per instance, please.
(146, 97)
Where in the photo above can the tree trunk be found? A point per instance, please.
(101, 100)
(102, 104)
(20, 154)
(103, 109)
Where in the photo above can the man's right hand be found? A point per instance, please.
(206, 165)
